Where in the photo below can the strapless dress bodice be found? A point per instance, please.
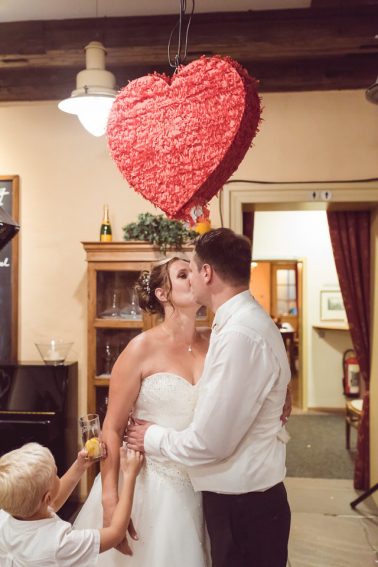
(167, 400)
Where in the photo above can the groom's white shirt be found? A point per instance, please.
(231, 445)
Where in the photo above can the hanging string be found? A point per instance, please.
(179, 58)
(98, 26)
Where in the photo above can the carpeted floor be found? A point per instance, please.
(317, 447)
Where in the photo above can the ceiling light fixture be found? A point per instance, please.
(95, 92)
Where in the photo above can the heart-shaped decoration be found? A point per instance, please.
(176, 140)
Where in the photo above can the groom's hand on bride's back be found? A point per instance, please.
(136, 433)
(286, 410)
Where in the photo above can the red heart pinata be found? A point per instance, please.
(177, 140)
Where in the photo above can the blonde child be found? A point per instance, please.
(31, 534)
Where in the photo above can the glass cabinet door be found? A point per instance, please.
(109, 345)
(116, 296)
(118, 317)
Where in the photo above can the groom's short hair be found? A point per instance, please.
(227, 252)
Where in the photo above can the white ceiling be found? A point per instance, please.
(23, 10)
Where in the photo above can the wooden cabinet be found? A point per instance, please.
(114, 317)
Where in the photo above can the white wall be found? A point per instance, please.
(330, 135)
(304, 235)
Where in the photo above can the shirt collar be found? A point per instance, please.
(21, 525)
(228, 308)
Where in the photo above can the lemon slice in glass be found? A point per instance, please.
(93, 447)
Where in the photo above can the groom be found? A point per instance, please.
(233, 447)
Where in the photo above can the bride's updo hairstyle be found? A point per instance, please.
(149, 282)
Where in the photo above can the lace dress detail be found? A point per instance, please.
(167, 513)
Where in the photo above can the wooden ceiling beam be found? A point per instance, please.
(269, 32)
(288, 50)
(275, 76)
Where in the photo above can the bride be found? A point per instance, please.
(156, 378)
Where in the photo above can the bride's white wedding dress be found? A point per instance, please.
(167, 513)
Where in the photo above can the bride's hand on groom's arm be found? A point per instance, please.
(136, 433)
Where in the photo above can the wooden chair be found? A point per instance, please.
(353, 413)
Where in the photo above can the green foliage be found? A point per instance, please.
(159, 230)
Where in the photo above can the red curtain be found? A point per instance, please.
(350, 237)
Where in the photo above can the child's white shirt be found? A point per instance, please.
(46, 543)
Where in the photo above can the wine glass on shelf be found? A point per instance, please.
(135, 310)
(114, 311)
(108, 360)
(132, 310)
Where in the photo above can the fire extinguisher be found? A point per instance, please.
(351, 374)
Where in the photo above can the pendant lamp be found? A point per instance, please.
(95, 92)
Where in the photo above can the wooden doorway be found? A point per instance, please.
(277, 285)
(241, 196)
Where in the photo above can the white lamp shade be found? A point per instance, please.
(95, 92)
(92, 111)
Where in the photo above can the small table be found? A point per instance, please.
(353, 413)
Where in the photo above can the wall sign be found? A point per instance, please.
(9, 274)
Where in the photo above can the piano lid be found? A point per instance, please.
(32, 388)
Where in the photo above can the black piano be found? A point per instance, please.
(39, 403)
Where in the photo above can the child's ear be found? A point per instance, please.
(47, 498)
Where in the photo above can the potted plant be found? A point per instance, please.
(159, 230)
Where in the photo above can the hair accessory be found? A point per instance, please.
(146, 282)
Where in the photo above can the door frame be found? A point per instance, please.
(301, 271)
(238, 196)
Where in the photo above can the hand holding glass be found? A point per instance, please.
(91, 436)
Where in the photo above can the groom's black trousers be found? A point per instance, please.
(248, 530)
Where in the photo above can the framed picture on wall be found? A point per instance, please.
(9, 269)
(332, 305)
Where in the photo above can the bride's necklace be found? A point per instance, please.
(188, 347)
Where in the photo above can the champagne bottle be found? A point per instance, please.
(106, 229)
